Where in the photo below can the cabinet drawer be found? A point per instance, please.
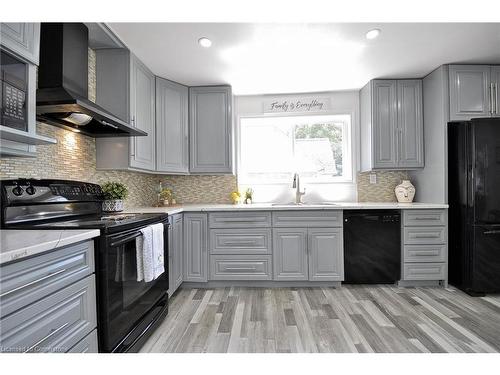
(424, 253)
(27, 281)
(295, 219)
(255, 219)
(240, 267)
(87, 345)
(53, 324)
(424, 217)
(424, 271)
(240, 241)
(424, 235)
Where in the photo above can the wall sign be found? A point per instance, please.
(308, 104)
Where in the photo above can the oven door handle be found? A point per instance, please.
(121, 241)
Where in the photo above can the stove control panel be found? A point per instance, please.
(48, 191)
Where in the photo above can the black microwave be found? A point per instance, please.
(13, 92)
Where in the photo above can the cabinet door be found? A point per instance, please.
(22, 39)
(177, 251)
(290, 254)
(495, 79)
(142, 86)
(469, 91)
(195, 248)
(210, 129)
(384, 117)
(326, 254)
(171, 127)
(410, 124)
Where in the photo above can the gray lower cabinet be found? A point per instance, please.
(326, 249)
(195, 247)
(176, 251)
(22, 39)
(241, 267)
(210, 130)
(48, 302)
(473, 91)
(88, 344)
(424, 245)
(392, 125)
(53, 324)
(171, 127)
(290, 254)
(126, 88)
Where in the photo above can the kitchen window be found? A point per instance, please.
(272, 149)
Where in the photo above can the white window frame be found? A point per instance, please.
(348, 142)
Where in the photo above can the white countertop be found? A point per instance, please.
(18, 244)
(270, 207)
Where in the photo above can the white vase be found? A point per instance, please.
(112, 205)
(405, 192)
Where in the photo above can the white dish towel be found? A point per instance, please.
(149, 253)
(158, 250)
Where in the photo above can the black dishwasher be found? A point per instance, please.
(372, 246)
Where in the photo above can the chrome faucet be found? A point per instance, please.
(296, 186)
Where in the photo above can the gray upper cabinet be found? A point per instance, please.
(171, 127)
(470, 94)
(142, 94)
(326, 261)
(290, 254)
(392, 125)
(126, 88)
(210, 130)
(176, 251)
(384, 124)
(411, 124)
(495, 81)
(195, 247)
(23, 39)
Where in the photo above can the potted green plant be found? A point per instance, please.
(114, 194)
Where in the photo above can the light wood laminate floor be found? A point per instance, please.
(347, 319)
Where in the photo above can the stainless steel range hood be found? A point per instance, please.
(62, 95)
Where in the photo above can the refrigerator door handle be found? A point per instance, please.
(497, 231)
(492, 110)
(496, 98)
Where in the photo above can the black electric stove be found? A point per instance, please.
(128, 310)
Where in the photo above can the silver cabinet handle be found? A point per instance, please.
(240, 243)
(425, 218)
(32, 283)
(492, 232)
(241, 268)
(51, 333)
(426, 236)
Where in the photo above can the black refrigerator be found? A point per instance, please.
(474, 200)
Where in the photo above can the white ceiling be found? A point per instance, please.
(259, 58)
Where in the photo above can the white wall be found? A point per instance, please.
(431, 182)
(342, 102)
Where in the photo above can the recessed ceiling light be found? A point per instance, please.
(372, 34)
(204, 42)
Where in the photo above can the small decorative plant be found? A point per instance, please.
(235, 197)
(114, 194)
(248, 196)
(166, 196)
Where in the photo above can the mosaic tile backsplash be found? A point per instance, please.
(383, 190)
(73, 158)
